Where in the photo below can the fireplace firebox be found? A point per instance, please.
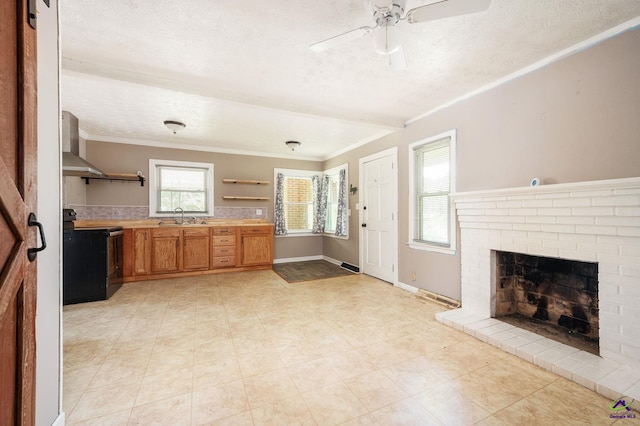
(556, 298)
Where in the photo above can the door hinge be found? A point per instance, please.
(32, 13)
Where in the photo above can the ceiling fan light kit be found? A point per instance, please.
(293, 145)
(174, 126)
(388, 13)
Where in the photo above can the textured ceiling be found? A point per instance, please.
(240, 74)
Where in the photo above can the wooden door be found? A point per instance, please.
(165, 250)
(18, 146)
(195, 249)
(378, 216)
(256, 245)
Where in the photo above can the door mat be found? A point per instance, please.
(295, 272)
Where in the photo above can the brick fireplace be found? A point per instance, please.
(594, 222)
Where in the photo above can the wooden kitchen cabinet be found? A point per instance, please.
(195, 249)
(256, 245)
(175, 251)
(165, 250)
(223, 244)
(141, 258)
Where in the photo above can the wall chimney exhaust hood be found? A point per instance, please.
(72, 163)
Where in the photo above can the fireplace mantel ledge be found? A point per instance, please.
(609, 184)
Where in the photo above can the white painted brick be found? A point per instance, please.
(535, 227)
(609, 307)
(629, 232)
(500, 226)
(472, 225)
(577, 255)
(518, 197)
(608, 268)
(633, 261)
(627, 211)
(622, 241)
(496, 212)
(630, 351)
(538, 203)
(600, 247)
(523, 212)
(484, 205)
(565, 245)
(528, 242)
(579, 238)
(572, 202)
(621, 200)
(509, 204)
(592, 211)
(471, 212)
(513, 234)
(576, 220)
(562, 229)
(543, 251)
(513, 219)
(619, 221)
(555, 195)
(630, 271)
(596, 229)
(555, 211)
(542, 235)
(540, 219)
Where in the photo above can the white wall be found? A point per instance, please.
(48, 313)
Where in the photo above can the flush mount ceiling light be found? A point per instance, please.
(293, 145)
(174, 126)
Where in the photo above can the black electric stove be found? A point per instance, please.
(92, 261)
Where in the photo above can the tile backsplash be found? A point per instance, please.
(97, 212)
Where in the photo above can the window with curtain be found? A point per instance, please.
(311, 202)
(433, 224)
(179, 184)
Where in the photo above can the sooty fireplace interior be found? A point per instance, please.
(556, 298)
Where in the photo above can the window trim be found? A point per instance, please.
(153, 182)
(453, 237)
(294, 173)
(310, 174)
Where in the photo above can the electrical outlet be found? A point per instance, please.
(413, 276)
(258, 212)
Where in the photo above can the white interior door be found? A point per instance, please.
(378, 216)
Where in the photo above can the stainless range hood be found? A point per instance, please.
(72, 163)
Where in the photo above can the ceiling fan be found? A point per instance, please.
(387, 15)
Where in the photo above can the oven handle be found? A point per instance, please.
(115, 233)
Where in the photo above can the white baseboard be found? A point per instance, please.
(332, 260)
(59, 421)
(298, 259)
(407, 287)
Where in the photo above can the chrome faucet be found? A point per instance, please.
(182, 215)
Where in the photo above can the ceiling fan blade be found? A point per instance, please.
(397, 60)
(446, 9)
(332, 42)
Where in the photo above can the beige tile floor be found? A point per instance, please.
(251, 349)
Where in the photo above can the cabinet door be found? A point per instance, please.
(165, 250)
(257, 245)
(195, 249)
(141, 251)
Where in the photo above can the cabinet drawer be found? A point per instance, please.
(221, 262)
(249, 230)
(228, 240)
(224, 231)
(165, 232)
(224, 250)
(196, 232)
